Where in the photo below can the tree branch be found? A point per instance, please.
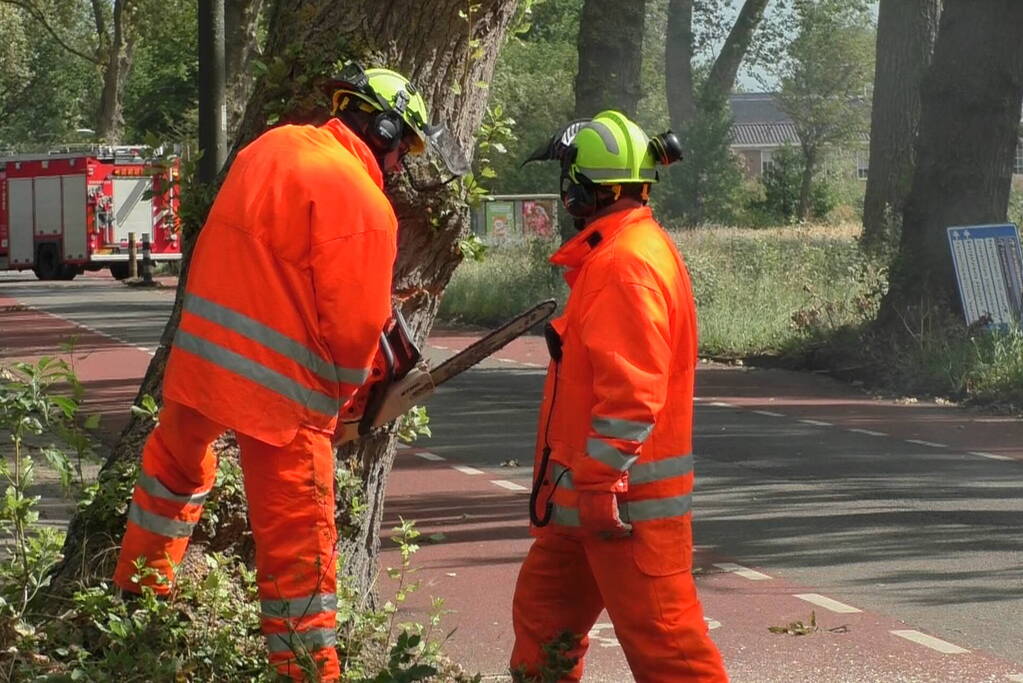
(38, 16)
(726, 67)
(103, 38)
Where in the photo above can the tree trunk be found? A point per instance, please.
(969, 126)
(678, 64)
(436, 48)
(906, 30)
(610, 57)
(241, 21)
(726, 67)
(806, 183)
(116, 69)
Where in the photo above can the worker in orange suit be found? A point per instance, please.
(288, 292)
(610, 506)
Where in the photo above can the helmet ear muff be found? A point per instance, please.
(578, 196)
(666, 148)
(386, 131)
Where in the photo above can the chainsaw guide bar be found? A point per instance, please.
(493, 342)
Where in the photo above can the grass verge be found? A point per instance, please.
(802, 297)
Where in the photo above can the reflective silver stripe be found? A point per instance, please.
(565, 516)
(260, 374)
(657, 508)
(299, 607)
(605, 134)
(609, 455)
(562, 476)
(298, 642)
(153, 487)
(158, 524)
(271, 338)
(616, 173)
(646, 472)
(622, 429)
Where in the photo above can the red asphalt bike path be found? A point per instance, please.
(475, 536)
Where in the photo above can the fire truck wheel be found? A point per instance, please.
(48, 266)
(119, 271)
(69, 272)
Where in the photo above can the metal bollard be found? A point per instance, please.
(147, 260)
(133, 266)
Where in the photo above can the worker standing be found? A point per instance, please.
(288, 291)
(610, 506)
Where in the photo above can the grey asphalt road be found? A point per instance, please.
(930, 536)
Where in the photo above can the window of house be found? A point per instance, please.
(862, 164)
(766, 160)
(1017, 168)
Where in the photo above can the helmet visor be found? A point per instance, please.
(441, 141)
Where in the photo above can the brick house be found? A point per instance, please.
(761, 128)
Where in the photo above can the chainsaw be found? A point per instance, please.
(402, 381)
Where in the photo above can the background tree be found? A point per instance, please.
(824, 75)
(691, 26)
(906, 30)
(610, 57)
(110, 48)
(969, 127)
(449, 49)
(706, 185)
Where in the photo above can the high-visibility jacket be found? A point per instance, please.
(618, 407)
(289, 285)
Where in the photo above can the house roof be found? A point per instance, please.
(760, 122)
(757, 107)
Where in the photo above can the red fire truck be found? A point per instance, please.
(64, 213)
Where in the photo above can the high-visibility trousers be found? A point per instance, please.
(564, 584)
(290, 492)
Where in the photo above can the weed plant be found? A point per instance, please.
(207, 627)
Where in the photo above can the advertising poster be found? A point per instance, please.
(500, 221)
(540, 218)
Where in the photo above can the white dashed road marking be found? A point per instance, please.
(930, 641)
(868, 432)
(510, 485)
(426, 455)
(1017, 678)
(89, 328)
(768, 413)
(817, 423)
(992, 456)
(712, 623)
(744, 572)
(930, 444)
(465, 469)
(605, 641)
(827, 603)
(720, 404)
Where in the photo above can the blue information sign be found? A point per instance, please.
(988, 262)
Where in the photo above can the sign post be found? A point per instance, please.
(988, 263)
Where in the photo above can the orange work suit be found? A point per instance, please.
(288, 291)
(617, 417)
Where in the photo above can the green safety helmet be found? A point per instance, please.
(399, 115)
(609, 151)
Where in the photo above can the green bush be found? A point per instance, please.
(207, 628)
(508, 280)
(782, 181)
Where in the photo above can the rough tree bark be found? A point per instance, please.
(678, 64)
(906, 30)
(241, 43)
(969, 124)
(683, 97)
(437, 48)
(610, 56)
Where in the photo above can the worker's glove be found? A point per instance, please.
(401, 396)
(598, 515)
